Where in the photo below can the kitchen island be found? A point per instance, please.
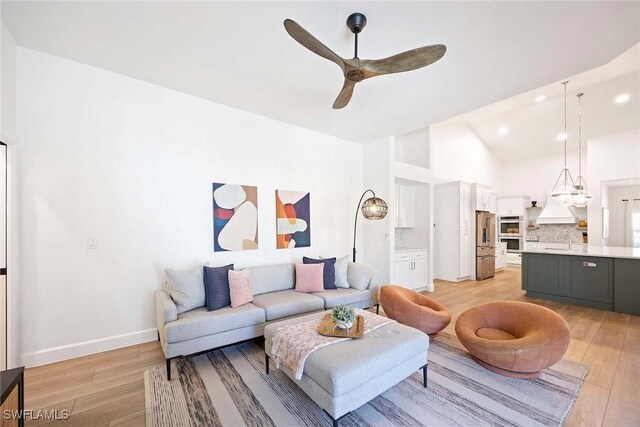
(597, 276)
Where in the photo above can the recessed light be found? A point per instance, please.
(503, 130)
(540, 98)
(561, 136)
(622, 98)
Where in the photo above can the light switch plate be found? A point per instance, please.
(91, 243)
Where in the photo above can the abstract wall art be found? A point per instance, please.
(235, 217)
(293, 219)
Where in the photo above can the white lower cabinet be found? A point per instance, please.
(501, 256)
(403, 273)
(411, 269)
(514, 258)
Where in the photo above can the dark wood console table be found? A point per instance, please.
(12, 397)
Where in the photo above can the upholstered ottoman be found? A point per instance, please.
(516, 339)
(344, 376)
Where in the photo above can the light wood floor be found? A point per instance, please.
(107, 389)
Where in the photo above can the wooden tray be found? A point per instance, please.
(327, 328)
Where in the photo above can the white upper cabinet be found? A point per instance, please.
(503, 207)
(493, 203)
(405, 206)
(513, 206)
(483, 199)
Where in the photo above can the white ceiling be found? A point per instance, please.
(533, 126)
(238, 53)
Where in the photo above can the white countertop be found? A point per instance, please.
(595, 251)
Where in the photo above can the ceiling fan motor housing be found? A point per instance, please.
(355, 75)
(356, 22)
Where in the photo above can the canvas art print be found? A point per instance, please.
(293, 216)
(235, 217)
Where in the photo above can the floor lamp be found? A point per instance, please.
(373, 208)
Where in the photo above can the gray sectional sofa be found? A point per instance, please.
(274, 299)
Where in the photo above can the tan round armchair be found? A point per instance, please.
(414, 309)
(514, 338)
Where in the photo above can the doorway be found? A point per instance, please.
(621, 200)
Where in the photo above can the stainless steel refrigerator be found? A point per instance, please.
(485, 245)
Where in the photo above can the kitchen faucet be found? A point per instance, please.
(567, 233)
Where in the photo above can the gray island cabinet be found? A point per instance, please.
(601, 277)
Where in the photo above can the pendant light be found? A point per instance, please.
(564, 190)
(583, 198)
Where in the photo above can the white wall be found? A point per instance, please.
(535, 177)
(131, 164)
(617, 211)
(609, 157)
(377, 235)
(414, 148)
(457, 154)
(7, 87)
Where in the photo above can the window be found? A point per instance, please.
(635, 227)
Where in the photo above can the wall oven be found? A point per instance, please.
(514, 243)
(511, 232)
(510, 226)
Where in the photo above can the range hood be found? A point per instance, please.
(556, 213)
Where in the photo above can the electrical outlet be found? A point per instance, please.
(91, 243)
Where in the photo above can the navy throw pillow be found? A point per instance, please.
(216, 286)
(329, 275)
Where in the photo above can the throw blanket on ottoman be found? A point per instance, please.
(293, 344)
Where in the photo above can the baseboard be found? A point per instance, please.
(71, 351)
(428, 288)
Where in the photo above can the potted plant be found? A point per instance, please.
(343, 316)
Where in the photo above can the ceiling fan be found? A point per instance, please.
(355, 70)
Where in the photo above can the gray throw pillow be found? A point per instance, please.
(186, 288)
(342, 265)
(359, 275)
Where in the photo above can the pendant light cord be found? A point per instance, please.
(580, 139)
(565, 130)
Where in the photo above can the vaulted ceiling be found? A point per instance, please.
(532, 126)
(238, 54)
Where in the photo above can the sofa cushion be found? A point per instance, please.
(186, 288)
(333, 298)
(287, 303)
(359, 275)
(200, 322)
(329, 272)
(216, 286)
(271, 278)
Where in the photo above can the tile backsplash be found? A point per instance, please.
(556, 233)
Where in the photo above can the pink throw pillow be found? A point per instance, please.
(309, 277)
(240, 288)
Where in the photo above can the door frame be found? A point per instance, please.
(11, 258)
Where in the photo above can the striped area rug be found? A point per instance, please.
(229, 388)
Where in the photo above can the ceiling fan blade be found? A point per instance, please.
(307, 40)
(345, 95)
(405, 61)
